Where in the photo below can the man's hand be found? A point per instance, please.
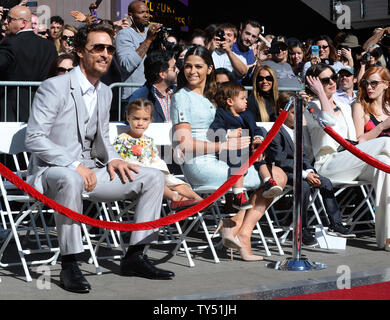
(313, 179)
(122, 168)
(89, 177)
(78, 16)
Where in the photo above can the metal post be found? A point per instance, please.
(296, 263)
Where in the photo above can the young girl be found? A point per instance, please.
(232, 117)
(135, 147)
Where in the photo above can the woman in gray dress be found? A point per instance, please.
(192, 112)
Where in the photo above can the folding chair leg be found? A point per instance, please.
(90, 248)
(281, 252)
(268, 253)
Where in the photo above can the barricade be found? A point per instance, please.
(117, 113)
(4, 95)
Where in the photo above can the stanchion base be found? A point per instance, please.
(291, 264)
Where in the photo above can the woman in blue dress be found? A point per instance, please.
(192, 112)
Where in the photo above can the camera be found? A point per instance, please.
(220, 34)
(385, 40)
(366, 57)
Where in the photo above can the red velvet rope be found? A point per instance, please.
(356, 151)
(120, 226)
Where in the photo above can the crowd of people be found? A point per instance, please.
(199, 85)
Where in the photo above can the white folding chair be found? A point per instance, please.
(347, 192)
(25, 209)
(12, 143)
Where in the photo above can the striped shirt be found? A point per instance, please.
(165, 101)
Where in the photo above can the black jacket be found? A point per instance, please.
(24, 57)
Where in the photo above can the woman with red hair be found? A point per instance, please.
(372, 110)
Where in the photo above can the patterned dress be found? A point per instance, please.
(143, 151)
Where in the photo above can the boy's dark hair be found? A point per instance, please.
(155, 62)
(57, 19)
(284, 98)
(225, 91)
(138, 104)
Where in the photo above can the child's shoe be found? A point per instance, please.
(271, 189)
(241, 202)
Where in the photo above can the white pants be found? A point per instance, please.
(345, 166)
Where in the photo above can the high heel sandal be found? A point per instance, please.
(246, 256)
(228, 240)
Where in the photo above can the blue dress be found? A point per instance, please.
(199, 112)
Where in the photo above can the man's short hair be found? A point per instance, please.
(155, 62)
(229, 26)
(131, 5)
(57, 19)
(253, 23)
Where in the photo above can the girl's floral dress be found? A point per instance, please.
(143, 151)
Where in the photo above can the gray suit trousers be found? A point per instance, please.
(66, 186)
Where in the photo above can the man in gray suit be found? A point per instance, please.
(68, 136)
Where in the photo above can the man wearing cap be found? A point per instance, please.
(278, 62)
(345, 84)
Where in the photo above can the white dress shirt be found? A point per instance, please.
(292, 135)
(89, 94)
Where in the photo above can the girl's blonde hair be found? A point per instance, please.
(363, 97)
(140, 104)
(256, 91)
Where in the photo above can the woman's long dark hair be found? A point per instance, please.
(314, 71)
(211, 86)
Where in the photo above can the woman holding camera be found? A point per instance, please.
(192, 112)
(330, 159)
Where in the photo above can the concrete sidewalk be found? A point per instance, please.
(207, 280)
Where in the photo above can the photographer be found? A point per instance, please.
(133, 43)
(223, 56)
(372, 57)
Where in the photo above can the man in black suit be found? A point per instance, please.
(24, 56)
(281, 152)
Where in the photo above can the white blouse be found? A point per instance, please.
(322, 144)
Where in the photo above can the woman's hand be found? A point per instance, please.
(385, 124)
(236, 143)
(315, 60)
(234, 133)
(315, 85)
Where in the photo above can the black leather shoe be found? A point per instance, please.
(308, 239)
(140, 265)
(71, 279)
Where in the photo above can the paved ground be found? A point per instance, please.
(227, 280)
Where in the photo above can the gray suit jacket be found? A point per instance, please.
(56, 131)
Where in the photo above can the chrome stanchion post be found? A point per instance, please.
(296, 263)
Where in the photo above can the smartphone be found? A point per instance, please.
(315, 51)
(32, 4)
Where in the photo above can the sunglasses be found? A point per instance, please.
(268, 78)
(63, 70)
(326, 81)
(42, 33)
(99, 48)
(66, 38)
(323, 47)
(373, 84)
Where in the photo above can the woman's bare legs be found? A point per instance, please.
(251, 216)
